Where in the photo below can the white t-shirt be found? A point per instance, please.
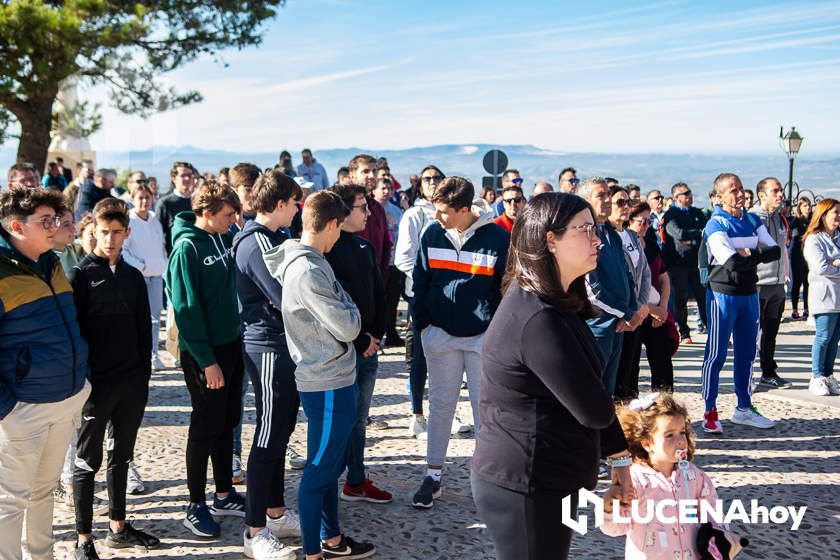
(630, 247)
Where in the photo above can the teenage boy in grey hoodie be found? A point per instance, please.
(321, 323)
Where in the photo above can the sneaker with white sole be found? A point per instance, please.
(135, 483)
(348, 548)
(820, 386)
(296, 460)
(751, 417)
(426, 495)
(459, 427)
(418, 427)
(200, 522)
(265, 546)
(833, 386)
(287, 525)
(232, 504)
(711, 423)
(238, 470)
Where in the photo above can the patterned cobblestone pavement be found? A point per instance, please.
(798, 463)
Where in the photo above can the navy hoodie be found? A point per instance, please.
(259, 293)
(459, 288)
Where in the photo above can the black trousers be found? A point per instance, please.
(627, 376)
(658, 346)
(522, 526)
(123, 404)
(393, 289)
(275, 393)
(215, 413)
(771, 302)
(685, 281)
(798, 280)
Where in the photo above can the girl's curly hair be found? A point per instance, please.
(639, 425)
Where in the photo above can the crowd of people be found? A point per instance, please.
(538, 307)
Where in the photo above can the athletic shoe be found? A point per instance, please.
(833, 386)
(711, 424)
(85, 552)
(63, 496)
(296, 460)
(775, 382)
(426, 495)
(751, 417)
(157, 364)
(200, 522)
(418, 427)
(376, 424)
(686, 340)
(135, 483)
(287, 525)
(459, 427)
(348, 548)
(795, 315)
(232, 504)
(603, 470)
(131, 537)
(820, 386)
(365, 492)
(238, 472)
(265, 546)
(701, 328)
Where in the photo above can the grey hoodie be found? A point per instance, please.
(775, 272)
(320, 318)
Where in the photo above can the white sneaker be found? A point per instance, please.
(296, 460)
(751, 417)
(459, 427)
(238, 471)
(157, 364)
(287, 525)
(265, 546)
(418, 427)
(135, 483)
(821, 386)
(833, 386)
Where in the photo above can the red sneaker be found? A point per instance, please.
(686, 340)
(365, 492)
(711, 424)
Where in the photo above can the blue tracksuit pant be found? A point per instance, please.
(736, 317)
(331, 416)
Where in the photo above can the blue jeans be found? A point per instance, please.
(417, 372)
(824, 350)
(609, 342)
(365, 381)
(154, 289)
(330, 416)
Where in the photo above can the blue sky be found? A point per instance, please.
(670, 76)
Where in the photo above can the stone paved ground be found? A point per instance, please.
(796, 464)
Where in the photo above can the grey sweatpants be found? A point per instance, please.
(447, 358)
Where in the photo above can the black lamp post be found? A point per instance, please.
(791, 142)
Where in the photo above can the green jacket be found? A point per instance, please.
(201, 284)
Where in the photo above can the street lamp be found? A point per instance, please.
(791, 142)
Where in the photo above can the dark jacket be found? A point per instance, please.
(610, 286)
(459, 290)
(355, 268)
(114, 319)
(376, 231)
(682, 225)
(546, 417)
(260, 294)
(88, 197)
(43, 357)
(166, 209)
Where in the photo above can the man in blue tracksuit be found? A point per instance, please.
(610, 285)
(737, 242)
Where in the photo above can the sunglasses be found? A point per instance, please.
(517, 181)
(515, 200)
(574, 181)
(621, 202)
(655, 197)
(432, 179)
(642, 221)
(684, 193)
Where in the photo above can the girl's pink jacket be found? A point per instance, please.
(656, 540)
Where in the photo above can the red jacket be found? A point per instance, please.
(376, 231)
(504, 222)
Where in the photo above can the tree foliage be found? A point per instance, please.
(79, 121)
(126, 46)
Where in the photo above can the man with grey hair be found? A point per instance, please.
(610, 286)
(542, 187)
(91, 193)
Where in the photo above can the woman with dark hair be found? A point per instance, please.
(798, 264)
(545, 415)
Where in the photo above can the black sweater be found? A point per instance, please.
(545, 415)
(354, 263)
(114, 317)
(166, 209)
(683, 226)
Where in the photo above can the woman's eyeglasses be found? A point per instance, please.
(591, 230)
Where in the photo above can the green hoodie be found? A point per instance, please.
(201, 283)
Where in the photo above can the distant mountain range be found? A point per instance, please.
(536, 164)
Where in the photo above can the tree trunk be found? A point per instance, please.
(35, 125)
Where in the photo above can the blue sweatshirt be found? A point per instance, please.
(260, 294)
(458, 278)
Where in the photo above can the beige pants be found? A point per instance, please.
(33, 442)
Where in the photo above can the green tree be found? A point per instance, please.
(123, 45)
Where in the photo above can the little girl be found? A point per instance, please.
(659, 436)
